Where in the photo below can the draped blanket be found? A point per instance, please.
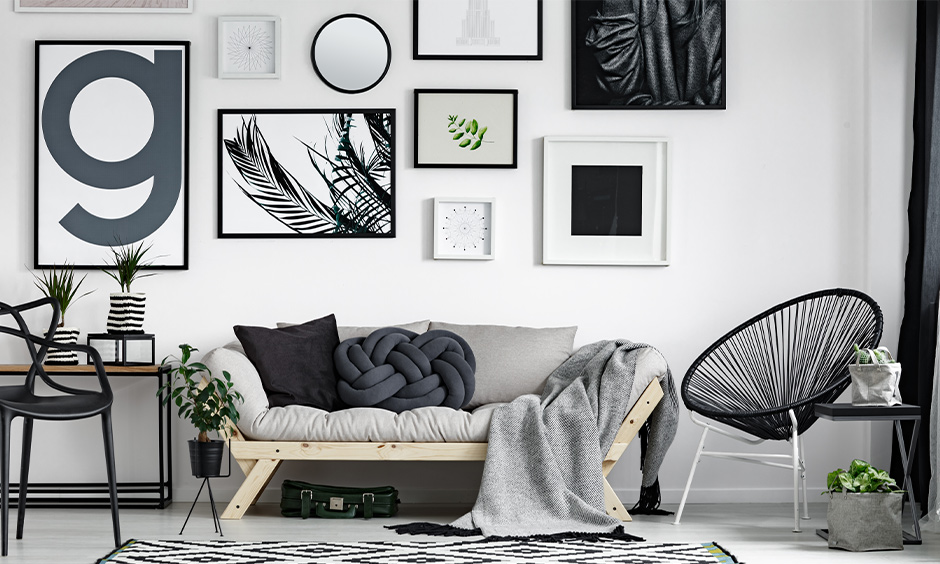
(542, 474)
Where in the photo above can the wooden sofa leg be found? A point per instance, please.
(259, 477)
(614, 507)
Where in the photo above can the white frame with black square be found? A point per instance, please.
(559, 246)
(486, 249)
(228, 24)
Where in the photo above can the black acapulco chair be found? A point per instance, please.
(21, 401)
(765, 376)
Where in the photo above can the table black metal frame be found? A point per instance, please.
(897, 413)
(150, 495)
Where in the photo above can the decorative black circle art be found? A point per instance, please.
(351, 53)
(397, 369)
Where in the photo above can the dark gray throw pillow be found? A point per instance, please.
(397, 369)
(295, 363)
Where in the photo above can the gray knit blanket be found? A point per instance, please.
(542, 474)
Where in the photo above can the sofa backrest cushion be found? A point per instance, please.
(347, 332)
(295, 363)
(512, 361)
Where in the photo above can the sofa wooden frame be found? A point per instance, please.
(259, 460)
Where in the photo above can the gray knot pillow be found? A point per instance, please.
(397, 369)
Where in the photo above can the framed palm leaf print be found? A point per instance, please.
(306, 173)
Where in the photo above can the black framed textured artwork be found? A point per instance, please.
(648, 54)
(111, 151)
(465, 128)
(482, 30)
(306, 173)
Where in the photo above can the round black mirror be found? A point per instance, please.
(351, 53)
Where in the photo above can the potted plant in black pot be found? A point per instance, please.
(207, 401)
(864, 509)
(60, 285)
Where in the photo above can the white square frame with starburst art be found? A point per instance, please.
(463, 228)
(249, 47)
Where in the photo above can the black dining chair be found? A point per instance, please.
(765, 376)
(22, 401)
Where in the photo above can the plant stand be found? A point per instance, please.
(897, 413)
(216, 522)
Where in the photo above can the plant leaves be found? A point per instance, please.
(465, 142)
(474, 126)
(482, 132)
(461, 122)
(459, 135)
(476, 145)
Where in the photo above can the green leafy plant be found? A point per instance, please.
(207, 401)
(59, 284)
(127, 262)
(467, 132)
(862, 356)
(861, 477)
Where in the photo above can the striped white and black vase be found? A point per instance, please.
(126, 315)
(68, 336)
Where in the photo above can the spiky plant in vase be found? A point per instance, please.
(60, 285)
(127, 262)
(208, 402)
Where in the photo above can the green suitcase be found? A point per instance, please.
(300, 499)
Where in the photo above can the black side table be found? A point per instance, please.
(896, 413)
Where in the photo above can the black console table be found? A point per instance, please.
(896, 413)
(156, 495)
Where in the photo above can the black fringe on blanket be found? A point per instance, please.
(437, 530)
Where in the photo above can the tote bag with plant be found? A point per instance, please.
(875, 377)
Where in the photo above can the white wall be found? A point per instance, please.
(773, 197)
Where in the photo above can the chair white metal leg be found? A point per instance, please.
(803, 479)
(688, 484)
(795, 440)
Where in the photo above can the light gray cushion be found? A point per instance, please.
(361, 424)
(512, 361)
(352, 332)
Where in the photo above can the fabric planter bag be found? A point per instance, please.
(126, 315)
(865, 521)
(66, 336)
(876, 384)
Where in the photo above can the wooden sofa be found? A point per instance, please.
(259, 460)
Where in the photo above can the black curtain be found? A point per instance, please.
(918, 341)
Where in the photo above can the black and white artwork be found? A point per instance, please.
(249, 47)
(111, 148)
(306, 173)
(478, 29)
(648, 54)
(104, 6)
(607, 201)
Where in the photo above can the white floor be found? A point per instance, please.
(756, 534)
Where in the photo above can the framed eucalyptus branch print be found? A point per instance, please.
(465, 128)
(606, 201)
(648, 54)
(306, 173)
(487, 30)
(112, 150)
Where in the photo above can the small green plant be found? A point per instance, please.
(862, 356)
(127, 262)
(861, 477)
(208, 402)
(59, 284)
(466, 131)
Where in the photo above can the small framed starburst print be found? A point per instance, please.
(250, 47)
(463, 228)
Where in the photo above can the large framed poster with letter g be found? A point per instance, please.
(111, 152)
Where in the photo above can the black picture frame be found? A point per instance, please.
(432, 141)
(66, 175)
(344, 56)
(532, 54)
(587, 78)
(291, 196)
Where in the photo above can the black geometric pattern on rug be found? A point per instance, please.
(416, 552)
